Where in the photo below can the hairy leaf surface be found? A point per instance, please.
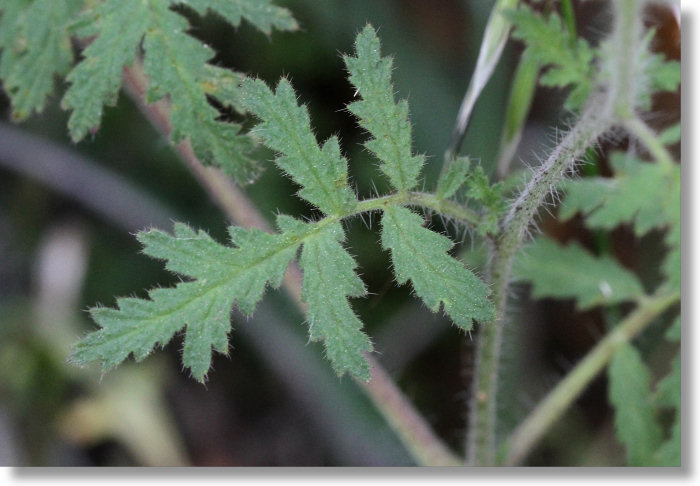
(489, 196)
(177, 67)
(35, 47)
(321, 171)
(173, 61)
(261, 13)
(377, 112)
(455, 176)
(221, 276)
(329, 279)
(96, 80)
(420, 255)
(572, 272)
(630, 394)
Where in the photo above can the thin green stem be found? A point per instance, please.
(482, 424)
(642, 132)
(549, 410)
(445, 207)
(417, 436)
(603, 110)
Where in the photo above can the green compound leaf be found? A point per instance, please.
(489, 196)
(35, 47)
(646, 194)
(224, 85)
(261, 13)
(640, 192)
(321, 171)
(490, 199)
(630, 395)
(572, 272)
(177, 65)
(329, 279)
(96, 80)
(421, 255)
(221, 277)
(377, 112)
(661, 74)
(549, 43)
(455, 176)
(173, 61)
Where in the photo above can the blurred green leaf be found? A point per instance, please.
(548, 42)
(635, 422)
(35, 47)
(668, 394)
(455, 176)
(263, 14)
(571, 272)
(175, 64)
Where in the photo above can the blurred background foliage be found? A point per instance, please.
(274, 401)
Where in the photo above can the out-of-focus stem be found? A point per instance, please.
(548, 411)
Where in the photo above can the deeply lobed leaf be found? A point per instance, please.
(261, 13)
(453, 179)
(549, 43)
(572, 272)
(377, 112)
(420, 255)
(329, 279)
(177, 65)
(635, 422)
(646, 194)
(174, 63)
(221, 277)
(321, 171)
(96, 80)
(35, 45)
(489, 196)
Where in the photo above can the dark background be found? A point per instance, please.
(273, 401)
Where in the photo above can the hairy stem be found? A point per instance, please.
(604, 109)
(482, 424)
(420, 440)
(548, 411)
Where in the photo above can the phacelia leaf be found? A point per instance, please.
(221, 276)
(321, 171)
(420, 255)
(329, 279)
(378, 113)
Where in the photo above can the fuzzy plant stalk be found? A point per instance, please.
(530, 431)
(144, 46)
(601, 114)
